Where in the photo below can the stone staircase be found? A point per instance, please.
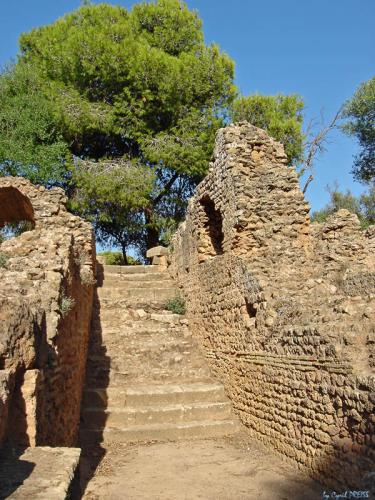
(146, 378)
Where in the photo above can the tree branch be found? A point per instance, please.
(317, 146)
(166, 188)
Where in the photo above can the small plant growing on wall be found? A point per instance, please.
(3, 259)
(66, 304)
(176, 305)
(87, 277)
(85, 272)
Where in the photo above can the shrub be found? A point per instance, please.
(176, 305)
(363, 206)
(117, 259)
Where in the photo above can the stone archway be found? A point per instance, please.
(211, 235)
(14, 206)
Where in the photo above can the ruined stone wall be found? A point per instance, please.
(283, 309)
(46, 294)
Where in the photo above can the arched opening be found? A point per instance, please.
(211, 230)
(16, 213)
(250, 309)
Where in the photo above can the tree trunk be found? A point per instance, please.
(152, 234)
(124, 256)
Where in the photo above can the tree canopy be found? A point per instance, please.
(119, 79)
(31, 143)
(280, 115)
(121, 109)
(112, 195)
(108, 84)
(360, 114)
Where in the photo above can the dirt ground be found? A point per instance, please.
(235, 468)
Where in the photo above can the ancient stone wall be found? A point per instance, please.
(46, 294)
(283, 309)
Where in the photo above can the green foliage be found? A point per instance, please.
(14, 229)
(176, 305)
(127, 76)
(66, 305)
(168, 25)
(30, 143)
(367, 203)
(363, 206)
(112, 195)
(138, 87)
(117, 259)
(360, 114)
(280, 115)
(3, 259)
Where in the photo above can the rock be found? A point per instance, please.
(157, 252)
(141, 313)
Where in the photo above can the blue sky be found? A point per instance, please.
(320, 49)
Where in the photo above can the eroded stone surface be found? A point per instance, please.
(46, 293)
(284, 310)
(40, 473)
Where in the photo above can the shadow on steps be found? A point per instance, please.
(97, 375)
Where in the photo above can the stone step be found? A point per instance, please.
(114, 417)
(147, 343)
(130, 269)
(142, 395)
(165, 317)
(140, 374)
(137, 295)
(115, 360)
(125, 285)
(109, 320)
(161, 432)
(153, 341)
(135, 278)
(123, 348)
(113, 356)
(113, 317)
(120, 304)
(124, 336)
(38, 473)
(127, 334)
(143, 374)
(123, 367)
(110, 327)
(124, 340)
(149, 347)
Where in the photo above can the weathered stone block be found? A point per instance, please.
(157, 252)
